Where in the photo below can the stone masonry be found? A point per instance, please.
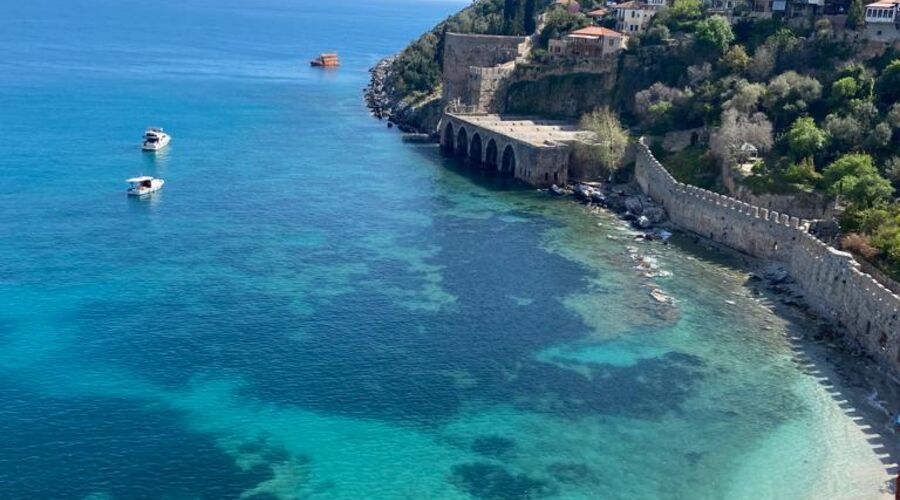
(833, 284)
(476, 63)
(532, 150)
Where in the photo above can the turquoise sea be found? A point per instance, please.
(312, 308)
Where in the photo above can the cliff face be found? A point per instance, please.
(411, 113)
(568, 96)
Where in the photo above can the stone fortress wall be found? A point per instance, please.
(833, 284)
(486, 89)
(479, 52)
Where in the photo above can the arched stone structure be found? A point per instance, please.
(448, 139)
(508, 161)
(475, 149)
(490, 154)
(506, 146)
(462, 143)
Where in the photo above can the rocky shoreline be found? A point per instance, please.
(411, 116)
(376, 95)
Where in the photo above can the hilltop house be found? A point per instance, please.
(590, 42)
(634, 15)
(883, 21)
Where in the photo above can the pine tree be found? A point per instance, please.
(856, 14)
(528, 21)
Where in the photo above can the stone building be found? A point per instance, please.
(883, 21)
(466, 55)
(588, 43)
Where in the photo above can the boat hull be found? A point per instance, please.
(157, 184)
(162, 143)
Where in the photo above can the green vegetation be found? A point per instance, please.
(820, 118)
(693, 165)
(607, 147)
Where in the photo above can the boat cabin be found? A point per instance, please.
(326, 60)
(144, 181)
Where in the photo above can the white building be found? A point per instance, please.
(883, 20)
(633, 16)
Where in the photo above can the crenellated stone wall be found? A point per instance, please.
(833, 284)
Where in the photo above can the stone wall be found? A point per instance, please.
(462, 52)
(804, 205)
(538, 165)
(487, 87)
(833, 284)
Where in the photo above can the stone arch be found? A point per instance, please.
(508, 164)
(490, 154)
(462, 142)
(448, 141)
(475, 148)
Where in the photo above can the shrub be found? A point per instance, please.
(714, 32)
(859, 244)
(805, 139)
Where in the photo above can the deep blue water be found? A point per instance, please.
(312, 308)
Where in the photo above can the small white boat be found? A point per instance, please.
(155, 139)
(144, 185)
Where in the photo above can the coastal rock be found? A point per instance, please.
(633, 204)
(583, 192)
(655, 214)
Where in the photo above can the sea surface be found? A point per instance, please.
(312, 308)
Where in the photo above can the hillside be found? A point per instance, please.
(798, 109)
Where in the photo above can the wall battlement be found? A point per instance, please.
(832, 281)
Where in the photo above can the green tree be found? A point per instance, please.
(856, 15)
(559, 22)
(803, 173)
(855, 178)
(790, 94)
(609, 139)
(844, 89)
(735, 59)
(529, 21)
(686, 9)
(889, 83)
(715, 32)
(805, 138)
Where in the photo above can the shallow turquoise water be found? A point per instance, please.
(314, 309)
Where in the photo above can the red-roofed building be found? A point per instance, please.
(590, 42)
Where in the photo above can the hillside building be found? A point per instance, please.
(589, 43)
(633, 16)
(883, 21)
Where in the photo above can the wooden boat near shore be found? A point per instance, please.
(326, 60)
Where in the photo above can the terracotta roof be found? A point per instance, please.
(596, 31)
(884, 3)
(597, 13)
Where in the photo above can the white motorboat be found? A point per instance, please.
(144, 185)
(155, 139)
